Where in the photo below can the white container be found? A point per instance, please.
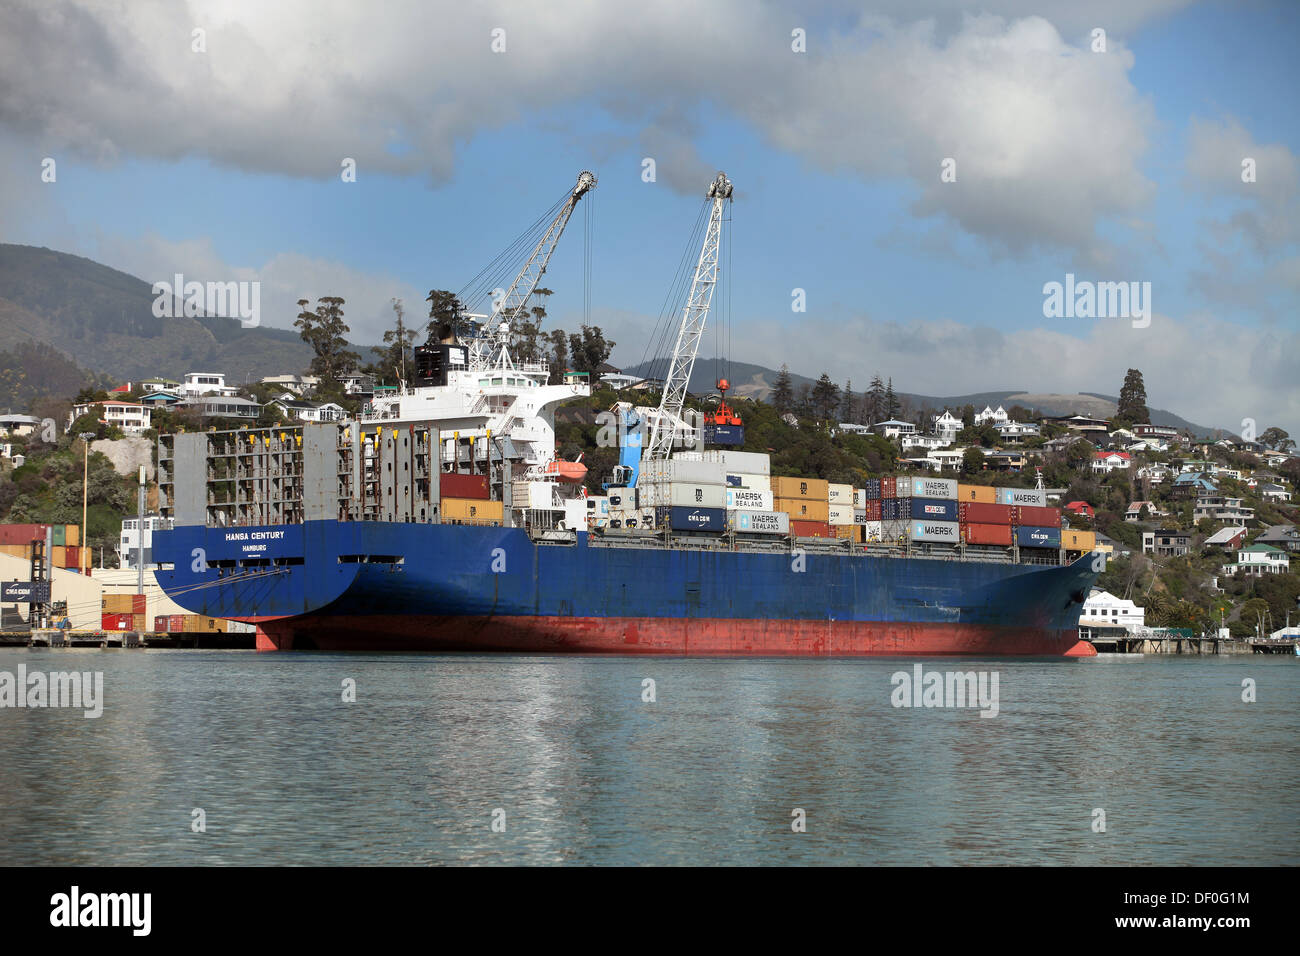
(1021, 496)
(680, 494)
(873, 530)
(597, 505)
(934, 488)
(749, 482)
(622, 500)
(746, 462)
(695, 472)
(840, 495)
(758, 522)
(940, 531)
(841, 514)
(744, 499)
(531, 494)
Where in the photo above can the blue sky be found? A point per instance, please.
(1120, 165)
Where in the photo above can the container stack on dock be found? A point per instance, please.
(16, 541)
(123, 612)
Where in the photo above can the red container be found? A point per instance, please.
(160, 622)
(1034, 516)
(977, 512)
(137, 604)
(888, 486)
(464, 486)
(998, 534)
(116, 622)
(811, 529)
(175, 623)
(21, 533)
(873, 510)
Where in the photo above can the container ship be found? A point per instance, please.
(440, 519)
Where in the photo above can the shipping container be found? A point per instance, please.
(597, 506)
(810, 529)
(871, 531)
(733, 435)
(1073, 540)
(531, 494)
(622, 499)
(694, 472)
(59, 535)
(984, 494)
(803, 509)
(975, 512)
(138, 603)
(116, 622)
(471, 509)
(175, 623)
(859, 497)
(934, 509)
(996, 534)
(741, 462)
(73, 535)
(758, 522)
(750, 500)
(1032, 537)
(17, 550)
(934, 488)
(887, 486)
(894, 509)
(1039, 517)
(840, 515)
(934, 531)
(839, 495)
(872, 489)
(1021, 496)
(902, 487)
(21, 533)
(872, 509)
(846, 532)
(680, 494)
(691, 519)
(59, 556)
(160, 623)
(814, 489)
(749, 482)
(73, 557)
(452, 485)
(118, 603)
(894, 532)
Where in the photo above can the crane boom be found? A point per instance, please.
(667, 423)
(509, 304)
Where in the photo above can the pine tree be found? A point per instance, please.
(825, 397)
(875, 401)
(782, 392)
(1132, 409)
(848, 403)
(892, 405)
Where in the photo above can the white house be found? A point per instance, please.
(1103, 609)
(1016, 431)
(1000, 417)
(1274, 492)
(1259, 559)
(928, 442)
(131, 417)
(299, 385)
(946, 426)
(206, 383)
(307, 411)
(17, 426)
(1157, 473)
(894, 428)
(1108, 461)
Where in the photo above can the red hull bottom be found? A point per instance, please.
(667, 636)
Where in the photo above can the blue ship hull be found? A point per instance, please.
(369, 585)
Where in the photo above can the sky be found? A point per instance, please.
(922, 170)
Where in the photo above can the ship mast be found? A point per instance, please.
(667, 422)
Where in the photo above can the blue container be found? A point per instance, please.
(892, 509)
(873, 489)
(934, 509)
(680, 518)
(1032, 537)
(732, 436)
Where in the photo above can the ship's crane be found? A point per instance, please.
(666, 424)
(491, 349)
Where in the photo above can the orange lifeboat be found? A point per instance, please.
(569, 471)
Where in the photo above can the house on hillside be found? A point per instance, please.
(1274, 492)
(132, 417)
(1166, 543)
(991, 417)
(1284, 536)
(1108, 461)
(1222, 508)
(1134, 512)
(18, 426)
(1016, 431)
(1081, 508)
(206, 383)
(1192, 484)
(1229, 539)
(223, 406)
(300, 385)
(946, 426)
(893, 428)
(1259, 559)
(305, 411)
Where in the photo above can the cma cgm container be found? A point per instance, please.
(992, 534)
(941, 531)
(811, 488)
(934, 509)
(934, 488)
(840, 515)
(691, 519)
(974, 512)
(804, 509)
(984, 494)
(464, 486)
(811, 529)
(1030, 537)
(1026, 515)
(1021, 496)
(839, 495)
(758, 522)
(749, 500)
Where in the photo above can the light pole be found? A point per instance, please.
(85, 476)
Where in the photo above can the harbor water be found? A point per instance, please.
(231, 757)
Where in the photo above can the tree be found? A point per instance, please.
(446, 316)
(892, 405)
(782, 393)
(848, 404)
(589, 350)
(326, 332)
(875, 401)
(972, 461)
(1132, 408)
(399, 340)
(825, 397)
(559, 355)
(1277, 439)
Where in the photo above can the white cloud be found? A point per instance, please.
(1047, 134)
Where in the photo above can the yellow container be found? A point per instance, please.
(812, 488)
(804, 509)
(72, 536)
(16, 550)
(848, 531)
(1078, 540)
(985, 494)
(472, 510)
(60, 558)
(119, 603)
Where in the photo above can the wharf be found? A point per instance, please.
(58, 637)
(1135, 644)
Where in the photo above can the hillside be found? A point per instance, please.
(756, 381)
(103, 321)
